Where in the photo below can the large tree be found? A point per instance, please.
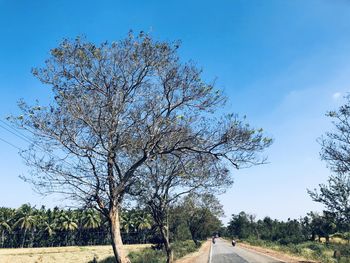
(116, 106)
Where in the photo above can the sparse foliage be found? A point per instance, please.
(336, 152)
(116, 106)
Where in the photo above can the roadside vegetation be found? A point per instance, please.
(310, 250)
(314, 237)
(149, 255)
(180, 249)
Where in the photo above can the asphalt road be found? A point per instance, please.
(224, 252)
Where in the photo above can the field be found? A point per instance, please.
(60, 254)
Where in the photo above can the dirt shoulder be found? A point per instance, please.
(276, 254)
(200, 256)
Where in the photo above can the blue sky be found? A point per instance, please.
(281, 63)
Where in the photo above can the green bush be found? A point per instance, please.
(180, 249)
(183, 248)
(147, 256)
(317, 248)
(295, 249)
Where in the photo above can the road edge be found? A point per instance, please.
(211, 252)
(258, 252)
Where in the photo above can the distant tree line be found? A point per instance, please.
(28, 226)
(312, 227)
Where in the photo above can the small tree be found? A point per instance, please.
(336, 152)
(201, 213)
(116, 106)
(166, 179)
(336, 144)
(336, 197)
(322, 225)
(240, 226)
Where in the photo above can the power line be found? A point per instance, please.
(18, 134)
(11, 144)
(14, 133)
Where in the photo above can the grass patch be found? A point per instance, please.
(184, 247)
(147, 256)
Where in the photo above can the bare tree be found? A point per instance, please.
(116, 106)
(336, 143)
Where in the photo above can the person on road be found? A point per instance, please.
(233, 242)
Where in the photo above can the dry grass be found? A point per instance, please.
(60, 254)
(335, 240)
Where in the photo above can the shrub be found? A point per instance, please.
(147, 256)
(183, 248)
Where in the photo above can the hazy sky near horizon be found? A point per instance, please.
(283, 64)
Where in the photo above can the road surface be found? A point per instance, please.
(224, 252)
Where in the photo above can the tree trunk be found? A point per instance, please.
(165, 235)
(2, 238)
(117, 242)
(193, 237)
(327, 240)
(24, 237)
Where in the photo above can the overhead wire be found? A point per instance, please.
(11, 144)
(18, 134)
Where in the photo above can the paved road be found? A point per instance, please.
(223, 252)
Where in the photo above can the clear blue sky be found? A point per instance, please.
(282, 63)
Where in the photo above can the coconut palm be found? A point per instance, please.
(26, 220)
(67, 223)
(4, 227)
(143, 222)
(91, 219)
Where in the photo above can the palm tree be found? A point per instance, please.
(67, 223)
(26, 220)
(49, 228)
(4, 227)
(91, 219)
(144, 222)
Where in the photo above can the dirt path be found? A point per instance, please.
(200, 256)
(278, 255)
